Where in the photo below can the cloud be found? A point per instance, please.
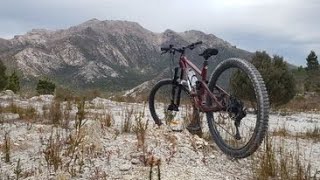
(287, 27)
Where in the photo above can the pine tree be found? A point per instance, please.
(312, 62)
(13, 82)
(3, 77)
(312, 82)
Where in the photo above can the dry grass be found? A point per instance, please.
(67, 154)
(7, 147)
(312, 134)
(129, 99)
(66, 115)
(278, 162)
(127, 123)
(55, 113)
(106, 120)
(283, 132)
(28, 114)
(53, 152)
(303, 104)
(64, 94)
(1, 117)
(140, 129)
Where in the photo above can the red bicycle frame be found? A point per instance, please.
(200, 97)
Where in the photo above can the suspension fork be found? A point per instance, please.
(174, 106)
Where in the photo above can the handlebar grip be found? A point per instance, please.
(165, 49)
(197, 43)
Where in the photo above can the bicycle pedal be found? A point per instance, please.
(173, 107)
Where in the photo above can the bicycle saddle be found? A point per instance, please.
(209, 52)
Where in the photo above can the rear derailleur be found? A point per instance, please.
(237, 112)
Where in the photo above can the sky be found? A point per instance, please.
(289, 28)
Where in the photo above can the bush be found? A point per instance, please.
(45, 87)
(13, 82)
(64, 94)
(3, 77)
(279, 80)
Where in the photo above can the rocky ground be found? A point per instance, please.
(96, 145)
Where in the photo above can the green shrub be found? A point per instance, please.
(13, 82)
(279, 80)
(45, 87)
(3, 77)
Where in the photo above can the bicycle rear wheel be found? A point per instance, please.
(160, 100)
(240, 128)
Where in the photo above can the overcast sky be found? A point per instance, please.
(289, 28)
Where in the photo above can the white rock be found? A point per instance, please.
(135, 161)
(125, 167)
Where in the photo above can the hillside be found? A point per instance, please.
(110, 55)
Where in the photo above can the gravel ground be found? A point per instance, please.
(108, 153)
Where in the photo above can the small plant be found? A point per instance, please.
(128, 115)
(18, 170)
(52, 152)
(80, 116)
(74, 142)
(66, 115)
(55, 114)
(140, 129)
(106, 120)
(153, 161)
(98, 174)
(172, 139)
(7, 146)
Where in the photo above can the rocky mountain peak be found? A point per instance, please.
(111, 54)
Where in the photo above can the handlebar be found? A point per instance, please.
(171, 49)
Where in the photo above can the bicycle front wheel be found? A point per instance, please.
(160, 99)
(240, 127)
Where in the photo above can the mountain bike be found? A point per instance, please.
(234, 100)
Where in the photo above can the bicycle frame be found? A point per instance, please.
(204, 90)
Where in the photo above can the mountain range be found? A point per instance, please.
(109, 55)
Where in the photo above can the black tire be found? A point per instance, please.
(161, 92)
(260, 116)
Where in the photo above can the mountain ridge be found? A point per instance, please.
(110, 54)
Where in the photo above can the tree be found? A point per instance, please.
(3, 76)
(276, 75)
(312, 82)
(13, 82)
(45, 87)
(312, 62)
